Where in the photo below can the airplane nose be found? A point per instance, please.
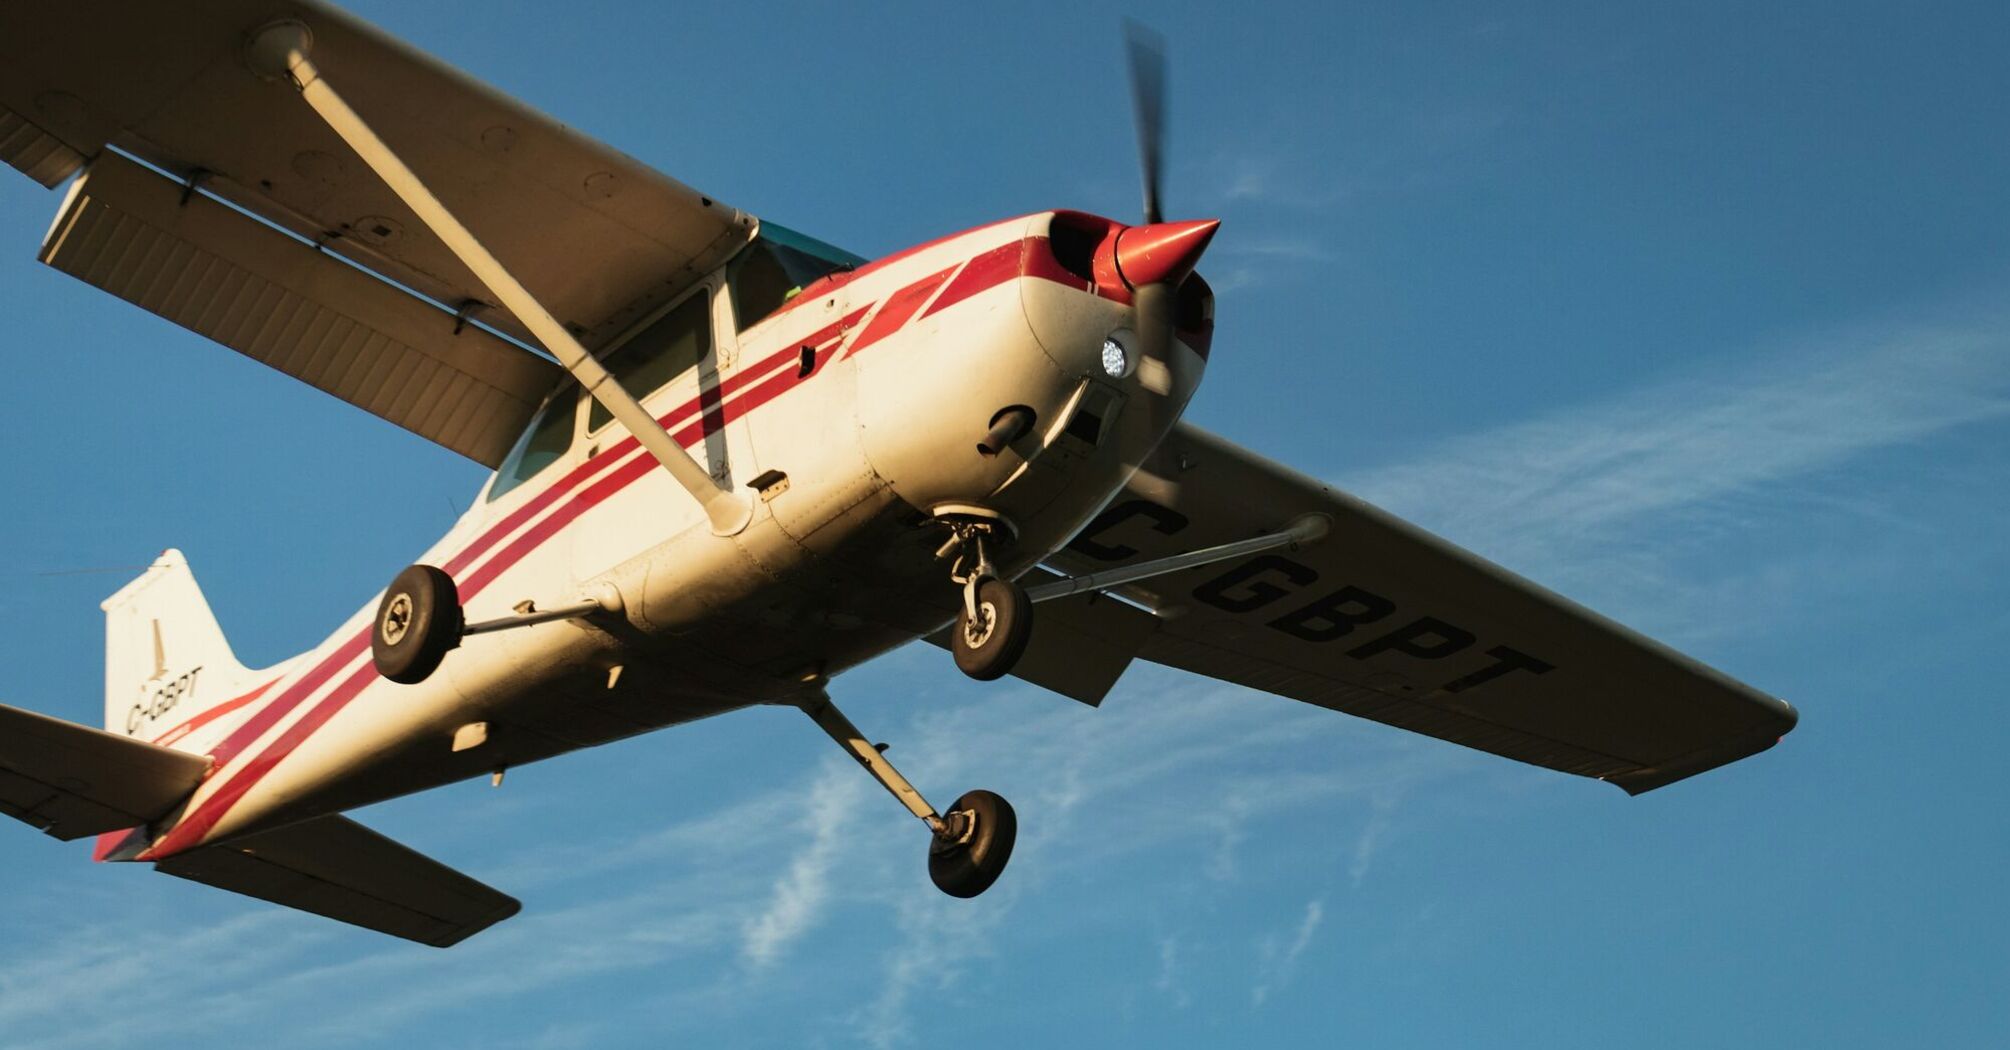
(1163, 252)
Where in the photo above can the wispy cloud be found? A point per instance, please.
(1263, 177)
(1277, 960)
(1372, 835)
(1167, 981)
(1096, 790)
(800, 893)
(1569, 495)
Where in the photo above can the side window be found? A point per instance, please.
(543, 443)
(669, 347)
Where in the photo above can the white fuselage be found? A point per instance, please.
(855, 410)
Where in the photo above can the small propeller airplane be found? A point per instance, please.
(730, 462)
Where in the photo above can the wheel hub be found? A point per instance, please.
(397, 619)
(958, 828)
(977, 630)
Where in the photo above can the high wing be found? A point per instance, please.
(335, 867)
(599, 238)
(71, 780)
(1383, 620)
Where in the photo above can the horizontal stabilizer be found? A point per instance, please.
(337, 868)
(72, 781)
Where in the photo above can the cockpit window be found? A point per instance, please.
(779, 264)
(543, 443)
(672, 345)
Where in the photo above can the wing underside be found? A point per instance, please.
(600, 239)
(1383, 620)
(289, 305)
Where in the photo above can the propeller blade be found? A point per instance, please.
(1155, 304)
(1146, 50)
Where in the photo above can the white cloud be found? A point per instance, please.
(1168, 963)
(1277, 962)
(1167, 767)
(1570, 495)
(1372, 835)
(800, 894)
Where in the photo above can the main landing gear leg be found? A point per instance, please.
(968, 846)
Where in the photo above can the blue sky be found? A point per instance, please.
(1695, 312)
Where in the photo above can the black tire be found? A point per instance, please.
(417, 622)
(967, 868)
(990, 648)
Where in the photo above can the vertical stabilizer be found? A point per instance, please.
(166, 660)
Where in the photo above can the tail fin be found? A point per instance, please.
(166, 660)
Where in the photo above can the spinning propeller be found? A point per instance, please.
(1155, 257)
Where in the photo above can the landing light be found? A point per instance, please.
(1115, 361)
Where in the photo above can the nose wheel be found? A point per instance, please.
(992, 630)
(968, 846)
(996, 621)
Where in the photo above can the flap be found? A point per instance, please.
(598, 237)
(1080, 644)
(1383, 620)
(72, 781)
(337, 868)
(284, 303)
(34, 152)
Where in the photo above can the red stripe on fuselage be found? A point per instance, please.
(191, 829)
(902, 304)
(292, 697)
(981, 274)
(168, 738)
(899, 308)
(269, 715)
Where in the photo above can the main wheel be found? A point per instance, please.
(988, 646)
(417, 622)
(984, 829)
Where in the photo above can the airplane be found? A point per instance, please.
(730, 462)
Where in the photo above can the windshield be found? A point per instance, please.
(777, 266)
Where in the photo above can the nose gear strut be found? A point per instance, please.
(996, 621)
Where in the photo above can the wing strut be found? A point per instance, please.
(1308, 528)
(280, 51)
